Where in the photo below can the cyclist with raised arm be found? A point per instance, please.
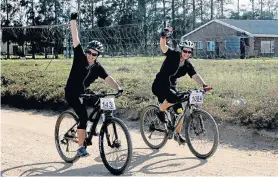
(85, 70)
(175, 65)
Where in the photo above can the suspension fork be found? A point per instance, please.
(109, 115)
(200, 121)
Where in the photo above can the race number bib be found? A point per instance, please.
(196, 97)
(107, 104)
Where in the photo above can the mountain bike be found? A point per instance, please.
(113, 133)
(199, 126)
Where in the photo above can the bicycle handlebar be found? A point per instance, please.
(91, 94)
(187, 92)
(183, 96)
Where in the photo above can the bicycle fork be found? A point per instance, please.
(199, 121)
(111, 143)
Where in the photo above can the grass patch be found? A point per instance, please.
(245, 91)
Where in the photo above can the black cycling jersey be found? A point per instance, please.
(81, 74)
(170, 70)
(187, 68)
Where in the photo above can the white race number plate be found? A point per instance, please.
(196, 97)
(107, 104)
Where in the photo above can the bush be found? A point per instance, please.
(243, 91)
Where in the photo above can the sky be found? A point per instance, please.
(242, 4)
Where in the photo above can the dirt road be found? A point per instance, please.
(28, 148)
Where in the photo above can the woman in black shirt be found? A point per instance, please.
(85, 70)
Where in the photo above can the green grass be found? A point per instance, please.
(254, 81)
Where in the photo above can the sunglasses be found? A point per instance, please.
(90, 53)
(185, 51)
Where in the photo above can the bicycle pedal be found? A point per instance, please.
(89, 143)
(180, 143)
(178, 140)
(170, 135)
(95, 133)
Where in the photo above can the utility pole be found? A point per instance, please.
(8, 42)
(222, 8)
(56, 39)
(238, 9)
(33, 24)
(211, 9)
(79, 15)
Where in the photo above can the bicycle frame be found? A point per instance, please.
(175, 118)
(99, 113)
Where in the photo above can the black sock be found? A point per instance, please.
(161, 115)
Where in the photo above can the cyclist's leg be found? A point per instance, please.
(179, 126)
(80, 109)
(162, 108)
(163, 103)
(178, 109)
(178, 136)
(172, 97)
(167, 97)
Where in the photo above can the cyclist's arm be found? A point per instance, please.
(74, 33)
(163, 45)
(197, 78)
(110, 81)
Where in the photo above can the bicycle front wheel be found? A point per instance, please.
(115, 146)
(202, 134)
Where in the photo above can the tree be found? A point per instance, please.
(253, 9)
(201, 10)
(238, 8)
(30, 15)
(9, 8)
(142, 10)
(88, 12)
(103, 15)
(261, 3)
(194, 13)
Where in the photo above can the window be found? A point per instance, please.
(210, 46)
(199, 45)
(232, 44)
(267, 46)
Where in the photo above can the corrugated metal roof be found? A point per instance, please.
(269, 27)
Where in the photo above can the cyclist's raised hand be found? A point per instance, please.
(167, 31)
(73, 27)
(73, 16)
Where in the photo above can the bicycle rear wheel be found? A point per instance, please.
(66, 136)
(152, 130)
(115, 146)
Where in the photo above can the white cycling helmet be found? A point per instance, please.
(186, 44)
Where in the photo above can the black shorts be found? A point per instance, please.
(79, 108)
(164, 92)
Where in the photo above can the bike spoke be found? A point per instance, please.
(152, 130)
(115, 155)
(70, 146)
(202, 134)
